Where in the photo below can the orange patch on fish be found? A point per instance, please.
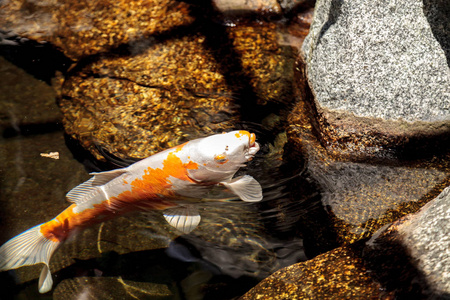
(58, 229)
(179, 147)
(242, 133)
(156, 180)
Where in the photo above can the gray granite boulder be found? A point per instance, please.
(414, 252)
(427, 236)
(380, 68)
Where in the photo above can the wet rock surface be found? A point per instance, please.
(380, 74)
(139, 105)
(239, 7)
(111, 288)
(363, 197)
(416, 249)
(404, 260)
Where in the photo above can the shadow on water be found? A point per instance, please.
(41, 60)
(31, 129)
(229, 61)
(210, 24)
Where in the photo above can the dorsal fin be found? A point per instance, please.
(78, 193)
(100, 178)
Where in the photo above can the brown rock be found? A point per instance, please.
(85, 28)
(350, 135)
(138, 105)
(110, 288)
(265, 61)
(338, 274)
(165, 92)
(298, 27)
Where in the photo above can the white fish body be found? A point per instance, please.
(157, 182)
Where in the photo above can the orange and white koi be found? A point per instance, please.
(184, 172)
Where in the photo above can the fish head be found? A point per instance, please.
(220, 156)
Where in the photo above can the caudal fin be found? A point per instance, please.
(29, 248)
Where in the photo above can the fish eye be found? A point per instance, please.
(220, 159)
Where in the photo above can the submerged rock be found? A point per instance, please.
(338, 274)
(380, 76)
(406, 260)
(33, 191)
(82, 29)
(265, 62)
(362, 197)
(140, 104)
(232, 240)
(154, 73)
(160, 93)
(91, 288)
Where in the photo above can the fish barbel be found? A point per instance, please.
(187, 171)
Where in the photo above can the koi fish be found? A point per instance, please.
(187, 171)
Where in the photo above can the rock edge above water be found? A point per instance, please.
(380, 76)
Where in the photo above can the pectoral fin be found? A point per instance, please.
(183, 218)
(245, 187)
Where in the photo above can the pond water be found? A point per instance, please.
(93, 109)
